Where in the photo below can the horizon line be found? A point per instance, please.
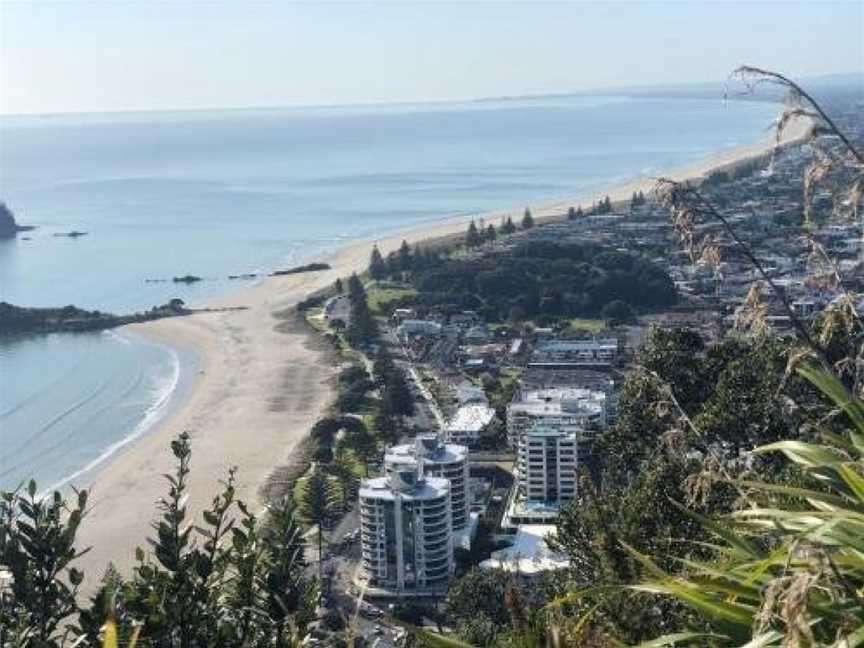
(623, 90)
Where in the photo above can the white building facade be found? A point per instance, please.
(547, 463)
(436, 459)
(406, 532)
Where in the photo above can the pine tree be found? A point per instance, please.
(363, 444)
(571, 214)
(579, 213)
(405, 257)
(527, 220)
(377, 267)
(634, 200)
(342, 469)
(338, 287)
(356, 292)
(472, 238)
(318, 506)
(397, 395)
(491, 234)
(507, 226)
(284, 587)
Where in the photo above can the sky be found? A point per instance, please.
(111, 55)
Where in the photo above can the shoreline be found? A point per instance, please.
(259, 387)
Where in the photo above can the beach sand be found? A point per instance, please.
(260, 389)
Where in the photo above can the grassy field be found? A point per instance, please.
(590, 325)
(378, 298)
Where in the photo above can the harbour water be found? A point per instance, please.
(215, 194)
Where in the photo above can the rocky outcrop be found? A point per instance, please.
(8, 226)
(18, 319)
(309, 267)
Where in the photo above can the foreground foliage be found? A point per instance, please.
(228, 580)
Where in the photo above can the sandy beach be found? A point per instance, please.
(261, 386)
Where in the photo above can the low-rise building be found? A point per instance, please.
(529, 557)
(406, 534)
(469, 422)
(571, 409)
(575, 353)
(419, 328)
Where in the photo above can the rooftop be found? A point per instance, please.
(470, 418)
(529, 554)
(427, 447)
(559, 401)
(381, 488)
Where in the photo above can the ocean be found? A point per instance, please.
(221, 193)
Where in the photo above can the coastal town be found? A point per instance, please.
(635, 418)
(471, 429)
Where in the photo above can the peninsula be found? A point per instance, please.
(8, 227)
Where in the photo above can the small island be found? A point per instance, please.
(71, 234)
(309, 267)
(8, 227)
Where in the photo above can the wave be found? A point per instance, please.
(41, 390)
(163, 393)
(116, 337)
(81, 402)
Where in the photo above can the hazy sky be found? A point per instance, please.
(107, 55)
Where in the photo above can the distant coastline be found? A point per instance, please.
(262, 382)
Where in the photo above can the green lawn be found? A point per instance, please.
(378, 298)
(590, 325)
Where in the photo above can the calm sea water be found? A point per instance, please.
(219, 193)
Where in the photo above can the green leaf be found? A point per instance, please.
(830, 385)
(810, 455)
(738, 615)
(736, 541)
(678, 638)
(806, 493)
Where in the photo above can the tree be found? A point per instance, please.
(472, 237)
(792, 557)
(377, 267)
(478, 602)
(286, 592)
(363, 444)
(318, 506)
(362, 329)
(406, 258)
(507, 226)
(338, 287)
(579, 213)
(342, 469)
(37, 546)
(491, 234)
(356, 291)
(527, 220)
(198, 588)
(617, 311)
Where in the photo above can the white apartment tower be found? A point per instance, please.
(437, 459)
(547, 464)
(406, 531)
